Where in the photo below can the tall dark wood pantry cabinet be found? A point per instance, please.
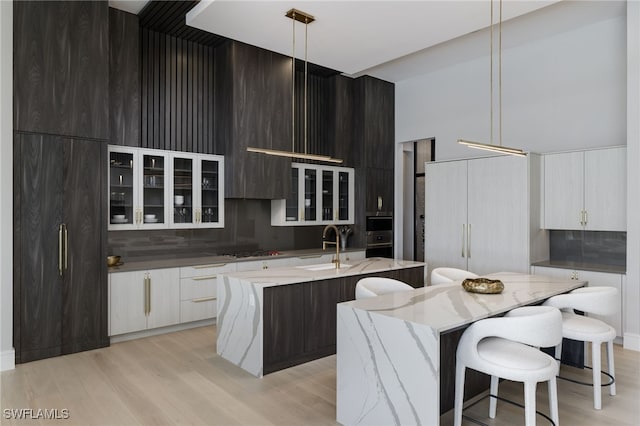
(60, 229)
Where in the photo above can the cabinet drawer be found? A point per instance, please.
(204, 270)
(198, 309)
(198, 287)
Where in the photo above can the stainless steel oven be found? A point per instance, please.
(379, 236)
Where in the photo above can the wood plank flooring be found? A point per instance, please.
(177, 378)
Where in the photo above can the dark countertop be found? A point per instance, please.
(179, 260)
(613, 269)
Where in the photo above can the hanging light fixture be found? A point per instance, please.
(491, 146)
(306, 19)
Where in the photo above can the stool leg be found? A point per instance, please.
(597, 379)
(493, 402)
(558, 355)
(459, 394)
(553, 400)
(530, 403)
(611, 366)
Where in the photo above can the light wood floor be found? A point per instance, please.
(178, 379)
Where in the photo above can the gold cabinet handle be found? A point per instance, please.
(205, 277)
(586, 218)
(149, 295)
(203, 299)
(60, 249)
(213, 265)
(462, 250)
(66, 247)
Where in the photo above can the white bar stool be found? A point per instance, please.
(448, 275)
(377, 286)
(598, 301)
(500, 348)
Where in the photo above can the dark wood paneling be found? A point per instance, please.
(300, 319)
(84, 290)
(379, 183)
(41, 211)
(61, 73)
(177, 100)
(61, 181)
(283, 323)
(379, 137)
(124, 78)
(168, 17)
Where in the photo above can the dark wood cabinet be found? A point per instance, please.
(124, 78)
(253, 109)
(300, 320)
(61, 81)
(379, 191)
(60, 279)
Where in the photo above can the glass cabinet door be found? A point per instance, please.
(153, 188)
(343, 195)
(209, 192)
(292, 206)
(310, 194)
(182, 191)
(327, 195)
(121, 184)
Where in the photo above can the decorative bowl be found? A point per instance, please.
(178, 200)
(483, 285)
(113, 260)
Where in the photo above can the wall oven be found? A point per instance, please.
(379, 236)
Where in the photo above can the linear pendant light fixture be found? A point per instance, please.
(306, 19)
(490, 146)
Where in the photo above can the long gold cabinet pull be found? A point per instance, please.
(147, 294)
(462, 250)
(66, 247)
(468, 241)
(60, 249)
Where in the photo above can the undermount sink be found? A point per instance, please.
(323, 266)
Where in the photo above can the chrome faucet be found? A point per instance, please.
(336, 242)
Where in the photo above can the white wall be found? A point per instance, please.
(632, 285)
(7, 357)
(563, 87)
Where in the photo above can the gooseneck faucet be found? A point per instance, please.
(336, 242)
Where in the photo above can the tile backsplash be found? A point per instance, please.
(247, 228)
(596, 247)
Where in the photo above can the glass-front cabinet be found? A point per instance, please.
(155, 189)
(319, 195)
(197, 199)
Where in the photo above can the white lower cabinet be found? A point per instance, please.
(142, 300)
(198, 290)
(599, 279)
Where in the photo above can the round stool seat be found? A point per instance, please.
(515, 361)
(579, 327)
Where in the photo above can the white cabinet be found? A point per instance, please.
(143, 299)
(137, 188)
(196, 195)
(480, 214)
(600, 279)
(586, 190)
(198, 290)
(153, 189)
(319, 195)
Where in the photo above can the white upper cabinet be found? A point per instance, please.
(586, 190)
(156, 189)
(319, 195)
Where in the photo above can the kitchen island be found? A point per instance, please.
(276, 318)
(396, 353)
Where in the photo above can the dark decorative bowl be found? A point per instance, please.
(483, 285)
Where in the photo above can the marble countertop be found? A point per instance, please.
(582, 266)
(290, 275)
(179, 260)
(446, 307)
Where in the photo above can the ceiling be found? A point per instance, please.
(355, 37)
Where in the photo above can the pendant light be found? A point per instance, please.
(306, 19)
(490, 146)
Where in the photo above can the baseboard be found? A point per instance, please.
(7, 360)
(161, 330)
(632, 341)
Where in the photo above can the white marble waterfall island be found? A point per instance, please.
(276, 318)
(396, 353)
